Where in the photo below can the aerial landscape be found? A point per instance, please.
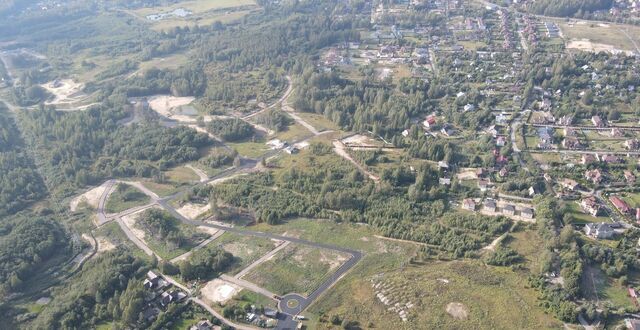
(319, 164)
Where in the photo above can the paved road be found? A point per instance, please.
(261, 260)
(133, 238)
(249, 286)
(102, 217)
(199, 247)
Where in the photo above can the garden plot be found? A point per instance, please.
(296, 269)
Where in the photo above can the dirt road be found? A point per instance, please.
(340, 149)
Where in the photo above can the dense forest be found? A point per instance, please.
(20, 183)
(86, 147)
(26, 243)
(569, 8)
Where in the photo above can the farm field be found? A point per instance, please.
(299, 269)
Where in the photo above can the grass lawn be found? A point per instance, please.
(633, 199)
(318, 121)
(296, 268)
(181, 175)
(294, 133)
(125, 197)
(250, 149)
(245, 249)
(527, 243)
(598, 287)
(114, 235)
(581, 217)
(175, 179)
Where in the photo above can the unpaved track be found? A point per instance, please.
(340, 149)
(203, 176)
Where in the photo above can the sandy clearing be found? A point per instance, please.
(458, 310)
(64, 91)
(467, 175)
(192, 211)
(163, 104)
(208, 230)
(359, 140)
(225, 179)
(219, 291)
(104, 244)
(91, 197)
(588, 45)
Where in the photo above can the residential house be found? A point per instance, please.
(527, 213)
(569, 184)
(632, 324)
(571, 143)
(509, 209)
(611, 159)
(405, 133)
(501, 141)
(445, 181)
(633, 144)
(629, 177)
(443, 165)
(202, 325)
(501, 119)
(547, 177)
(271, 313)
(447, 130)
(590, 205)
(429, 122)
(152, 280)
(503, 172)
(469, 204)
(621, 205)
(568, 131)
(564, 120)
(597, 121)
(469, 107)
(483, 185)
(168, 297)
(489, 205)
(616, 132)
(638, 215)
(588, 159)
(594, 176)
(599, 230)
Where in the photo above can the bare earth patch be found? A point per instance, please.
(91, 197)
(192, 211)
(219, 291)
(104, 244)
(208, 230)
(359, 140)
(458, 311)
(163, 104)
(65, 91)
(589, 46)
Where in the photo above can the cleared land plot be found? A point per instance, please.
(598, 37)
(297, 268)
(245, 249)
(175, 179)
(318, 121)
(479, 297)
(125, 197)
(219, 291)
(90, 198)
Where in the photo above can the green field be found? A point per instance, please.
(598, 287)
(319, 122)
(296, 268)
(609, 34)
(125, 197)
